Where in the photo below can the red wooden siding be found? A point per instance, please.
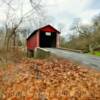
(33, 42)
(48, 29)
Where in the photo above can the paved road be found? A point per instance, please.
(89, 60)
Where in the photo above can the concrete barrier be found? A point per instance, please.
(73, 50)
(41, 53)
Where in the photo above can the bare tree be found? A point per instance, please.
(85, 37)
(17, 19)
(14, 22)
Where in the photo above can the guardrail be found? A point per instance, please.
(73, 50)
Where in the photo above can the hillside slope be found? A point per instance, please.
(49, 79)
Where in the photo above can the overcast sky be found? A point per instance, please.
(65, 11)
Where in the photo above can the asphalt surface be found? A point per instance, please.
(89, 60)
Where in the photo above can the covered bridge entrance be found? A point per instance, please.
(48, 39)
(46, 36)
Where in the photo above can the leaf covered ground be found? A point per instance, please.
(49, 79)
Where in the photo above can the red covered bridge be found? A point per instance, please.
(46, 36)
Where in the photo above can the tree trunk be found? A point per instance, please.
(91, 49)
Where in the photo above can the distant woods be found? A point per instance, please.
(84, 37)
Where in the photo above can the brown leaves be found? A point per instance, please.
(55, 79)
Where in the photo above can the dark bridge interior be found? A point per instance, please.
(47, 39)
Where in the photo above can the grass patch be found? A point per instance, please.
(96, 53)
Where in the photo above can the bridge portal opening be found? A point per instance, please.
(47, 39)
